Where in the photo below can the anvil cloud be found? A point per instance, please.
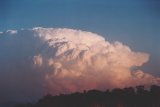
(66, 60)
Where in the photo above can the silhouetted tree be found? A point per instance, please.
(127, 97)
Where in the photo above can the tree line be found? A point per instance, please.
(126, 97)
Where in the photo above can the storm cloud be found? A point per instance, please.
(55, 60)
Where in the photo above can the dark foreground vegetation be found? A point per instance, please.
(127, 97)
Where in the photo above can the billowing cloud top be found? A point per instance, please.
(67, 60)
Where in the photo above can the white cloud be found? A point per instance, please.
(83, 60)
(12, 32)
(73, 60)
(38, 60)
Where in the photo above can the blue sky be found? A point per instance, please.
(134, 22)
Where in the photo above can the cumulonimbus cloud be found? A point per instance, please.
(74, 60)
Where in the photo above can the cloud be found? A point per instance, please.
(38, 60)
(66, 60)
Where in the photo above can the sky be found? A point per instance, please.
(135, 23)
